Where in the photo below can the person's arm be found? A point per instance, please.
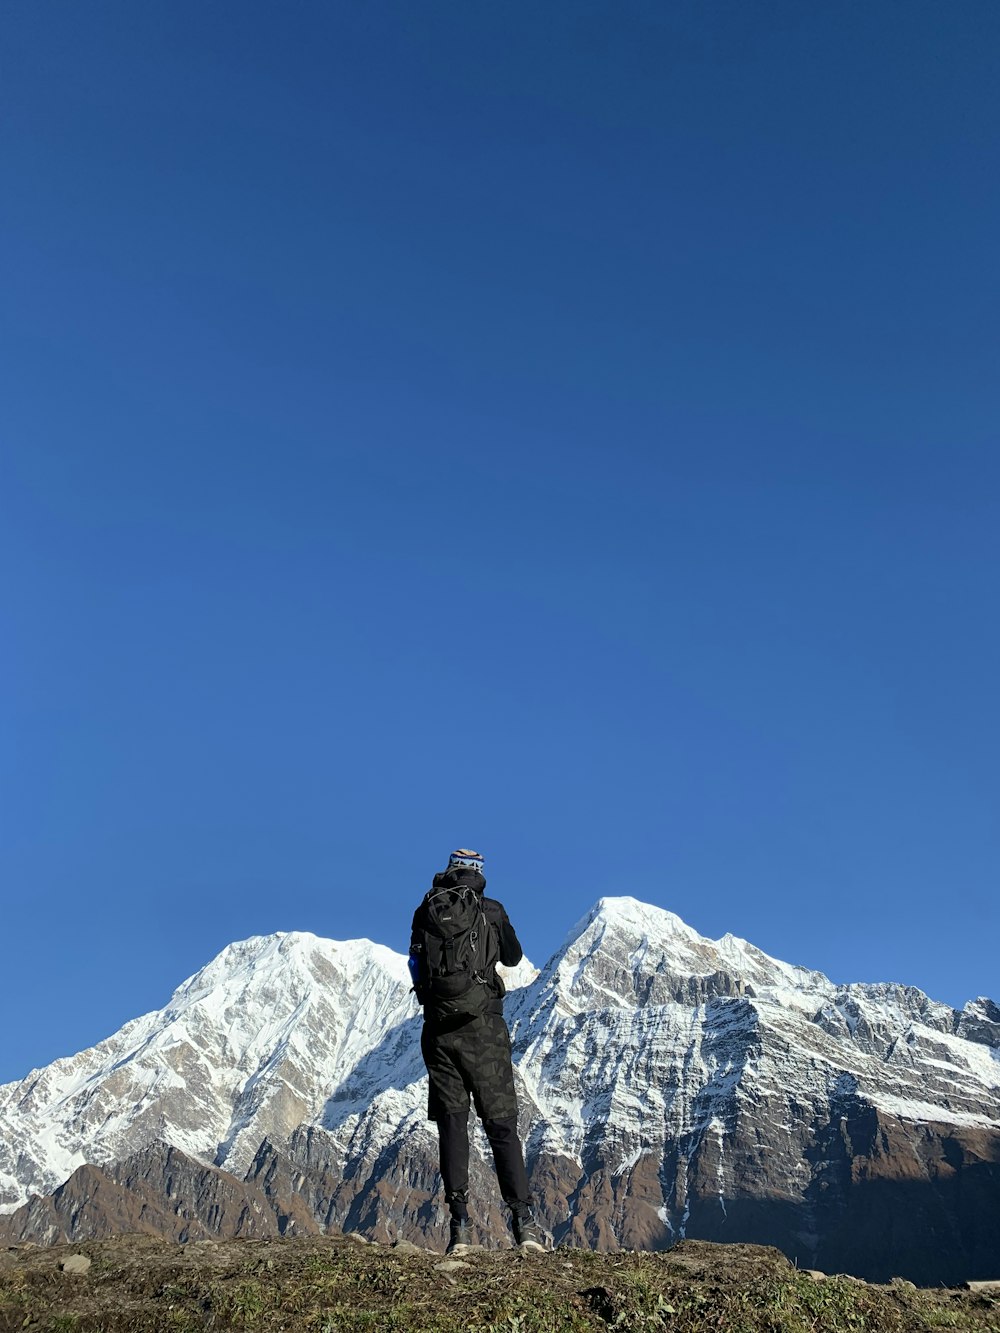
(511, 952)
(413, 931)
(416, 959)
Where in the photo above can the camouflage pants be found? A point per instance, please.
(469, 1060)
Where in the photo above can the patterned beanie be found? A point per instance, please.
(464, 856)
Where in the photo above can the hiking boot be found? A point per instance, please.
(528, 1235)
(461, 1236)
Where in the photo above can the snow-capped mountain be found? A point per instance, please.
(670, 1085)
(250, 1046)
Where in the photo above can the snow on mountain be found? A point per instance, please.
(253, 1044)
(662, 1075)
(641, 1032)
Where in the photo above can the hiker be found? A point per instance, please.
(458, 937)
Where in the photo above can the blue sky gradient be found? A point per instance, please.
(569, 430)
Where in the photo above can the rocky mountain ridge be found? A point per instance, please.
(670, 1086)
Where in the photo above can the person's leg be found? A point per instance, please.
(513, 1179)
(492, 1086)
(509, 1161)
(453, 1137)
(479, 1055)
(448, 1107)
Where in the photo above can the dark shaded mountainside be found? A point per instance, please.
(671, 1087)
(930, 1231)
(345, 1285)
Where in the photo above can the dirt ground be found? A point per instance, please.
(340, 1284)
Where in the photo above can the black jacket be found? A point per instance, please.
(509, 946)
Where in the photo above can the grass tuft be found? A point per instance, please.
(331, 1285)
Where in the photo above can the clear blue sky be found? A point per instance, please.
(565, 429)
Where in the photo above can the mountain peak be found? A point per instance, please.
(630, 914)
(664, 1074)
(284, 953)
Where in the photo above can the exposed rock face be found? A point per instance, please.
(699, 1088)
(250, 1046)
(159, 1192)
(670, 1086)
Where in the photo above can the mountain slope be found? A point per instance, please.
(252, 1045)
(684, 1086)
(670, 1086)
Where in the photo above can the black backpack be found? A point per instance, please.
(457, 950)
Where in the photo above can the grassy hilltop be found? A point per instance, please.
(137, 1284)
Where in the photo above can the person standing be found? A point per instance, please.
(458, 937)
